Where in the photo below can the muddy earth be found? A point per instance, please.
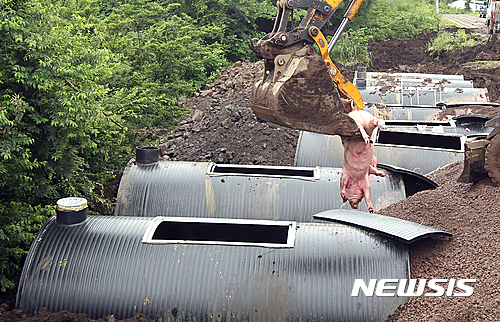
(221, 128)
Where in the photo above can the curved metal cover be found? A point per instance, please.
(327, 151)
(414, 182)
(463, 103)
(189, 189)
(472, 124)
(102, 267)
(403, 230)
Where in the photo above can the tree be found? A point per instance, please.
(164, 55)
(54, 119)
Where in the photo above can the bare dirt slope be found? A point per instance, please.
(222, 128)
(471, 213)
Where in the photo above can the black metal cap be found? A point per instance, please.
(361, 83)
(147, 154)
(361, 75)
(71, 210)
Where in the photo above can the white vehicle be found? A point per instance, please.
(493, 16)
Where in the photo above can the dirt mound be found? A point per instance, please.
(490, 51)
(400, 55)
(221, 128)
(471, 213)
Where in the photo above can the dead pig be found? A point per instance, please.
(359, 161)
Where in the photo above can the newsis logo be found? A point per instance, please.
(404, 287)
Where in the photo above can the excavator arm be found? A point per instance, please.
(300, 88)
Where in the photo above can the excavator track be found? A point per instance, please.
(492, 160)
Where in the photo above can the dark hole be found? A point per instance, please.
(266, 171)
(420, 139)
(221, 232)
(413, 123)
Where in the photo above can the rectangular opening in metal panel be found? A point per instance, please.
(265, 171)
(414, 123)
(420, 140)
(222, 231)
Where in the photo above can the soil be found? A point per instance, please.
(221, 128)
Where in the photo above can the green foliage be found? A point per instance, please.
(236, 19)
(400, 19)
(490, 64)
(447, 9)
(163, 56)
(352, 48)
(20, 223)
(467, 5)
(73, 85)
(55, 116)
(446, 41)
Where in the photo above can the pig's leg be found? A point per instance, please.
(373, 168)
(378, 122)
(365, 135)
(368, 195)
(343, 184)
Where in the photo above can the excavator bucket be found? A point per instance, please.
(300, 88)
(297, 91)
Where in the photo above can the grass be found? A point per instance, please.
(484, 64)
(446, 41)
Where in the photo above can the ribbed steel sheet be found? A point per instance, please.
(101, 267)
(418, 82)
(187, 189)
(414, 182)
(410, 76)
(426, 96)
(403, 230)
(327, 151)
(467, 125)
(399, 112)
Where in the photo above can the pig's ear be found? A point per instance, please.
(374, 121)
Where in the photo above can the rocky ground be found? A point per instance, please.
(221, 128)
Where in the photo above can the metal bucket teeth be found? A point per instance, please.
(297, 91)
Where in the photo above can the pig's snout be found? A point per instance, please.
(354, 203)
(381, 124)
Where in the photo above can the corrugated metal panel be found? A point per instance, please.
(399, 112)
(186, 189)
(458, 104)
(327, 151)
(411, 76)
(418, 82)
(100, 267)
(466, 125)
(414, 182)
(427, 96)
(403, 230)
